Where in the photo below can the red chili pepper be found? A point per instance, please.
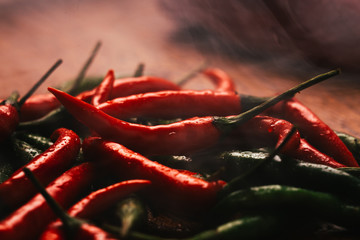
(103, 91)
(9, 117)
(9, 109)
(177, 138)
(96, 203)
(173, 104)
(314, 130)
(169, 187)
(28, 221)
(222, 81)
(266, 131)
(46, 166)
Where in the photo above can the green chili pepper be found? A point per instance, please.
(24, 152)
(250, 227)
(352, 143)
(290, 172)
(36, 140)
(303, 202)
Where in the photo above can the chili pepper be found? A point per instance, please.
(36, 140)
(314, 130)
(100, 200)
(180, 137)
(352, 143)
(222, 81)
(24, 152)
(168, 186)
(173, 104)
(9, 109)
(103, 91)
(46, 166)
(133, 85)
(248, 227)
(286, 171)
(9, 117)
(267, 198)
(28, 221)
(39, 105)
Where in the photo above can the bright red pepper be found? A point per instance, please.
(169, 187)
(103, 91)
(173, 104)
(46, 166)
(177, 138)
(28, 221)
(314, 130)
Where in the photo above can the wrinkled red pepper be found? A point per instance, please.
(60, 156)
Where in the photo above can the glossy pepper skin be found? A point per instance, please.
(28, 221)
(173, 104)
(103, 91)
(46, 166)
(96, 203)
(169, 187)
(314, 130)
(9, 119)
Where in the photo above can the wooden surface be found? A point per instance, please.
(34, 34)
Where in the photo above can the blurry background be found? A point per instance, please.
(266, 46)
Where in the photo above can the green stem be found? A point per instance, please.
(139, 71)
(228, 123)
(82, 73)
(38, 83)
(69, 222)
(192, 74)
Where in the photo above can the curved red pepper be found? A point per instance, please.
(95, 203)
(46, 166)
(28, 221)
(173, 104)
(39, 105)
(169, 187)
(222, 81)
(103, 91)
(314, 130)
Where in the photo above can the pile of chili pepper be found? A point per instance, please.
(141, 157)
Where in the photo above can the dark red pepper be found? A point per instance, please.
(46, 166)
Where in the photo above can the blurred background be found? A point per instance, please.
(266, 46)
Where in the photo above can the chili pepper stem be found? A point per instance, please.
(70, 224)
(82, 72)
(192, 74)
(139, 71)
(228, 123)
(233, 183)
(38, 83)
